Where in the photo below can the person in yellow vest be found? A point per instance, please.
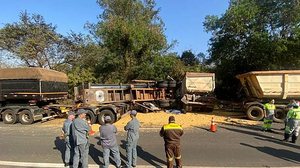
(171, 133)
(288, 107)
(269, 109)
(293, 124)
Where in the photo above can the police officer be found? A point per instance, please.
(80, 130)
(132, 128)
(108, 142)
(171, 133)
(268, 120)
(67, 130)
(293, 124)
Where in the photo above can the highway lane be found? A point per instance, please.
(230, 146)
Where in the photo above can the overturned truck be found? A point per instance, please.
(262, 86)
(115, 100)
(197, 91)
(30, 94)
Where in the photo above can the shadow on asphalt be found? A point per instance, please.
(256, 131)
(60, 146)
(148, 157)
(96, 154)
(205, 129)
(280, 153)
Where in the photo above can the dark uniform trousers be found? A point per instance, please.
(173, 151)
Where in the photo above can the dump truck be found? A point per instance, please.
(262, 86)
(116, 99)
(197, 91)
(31, 94)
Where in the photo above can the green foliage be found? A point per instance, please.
(160, 67)
(189, 58)
(132, 31)
(253, 35)
(33, 41)
(79, 75)
(127, 43)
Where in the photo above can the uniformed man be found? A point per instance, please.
(292, 126)
(80, 130)
(67, 130)
(171, 133)
(132, 128)
(288, 107)
(108, 142)
(269, 115)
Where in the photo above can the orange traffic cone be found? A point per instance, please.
(91, 132)
(213, 125)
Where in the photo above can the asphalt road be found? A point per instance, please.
(230, 146)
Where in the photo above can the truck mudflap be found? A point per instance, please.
(37, 113)
(37, 117)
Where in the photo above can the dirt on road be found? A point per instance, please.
(188, 120)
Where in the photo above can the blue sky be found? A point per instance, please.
(183, 18)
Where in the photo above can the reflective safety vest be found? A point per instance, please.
(171, 126)
(171, 133)
(290, 113)
(269, 106)
(295, 113)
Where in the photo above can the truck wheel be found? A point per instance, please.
(162, 84)
(90, 116)
(208, 108)
(25, 117)
(164, 103)
(172, 84)
(104, 113)
(255, 113)
(187, 108)
(50, 113)
(279, 115)
(9, 117)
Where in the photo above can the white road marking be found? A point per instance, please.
(53, 165)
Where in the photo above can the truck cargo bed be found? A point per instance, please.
(271, 84)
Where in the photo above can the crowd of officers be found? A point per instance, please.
(292, 120)
(76, 135)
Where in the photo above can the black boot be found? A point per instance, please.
(294, 138)
(286, 137)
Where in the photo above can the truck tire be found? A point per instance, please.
(255, 113)
(208, 108)
(172, 103)
(172, 84)
(279, 115)
(9, 117)
(164, 103)
(162, 84)
(26, 117)
(104, 113)
(90, 116)
(187, 108)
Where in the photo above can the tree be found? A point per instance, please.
(33, 41)
(254, 35)
(189, 58)
(161, 67)
(132, 31)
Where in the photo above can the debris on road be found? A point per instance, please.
(188, 120)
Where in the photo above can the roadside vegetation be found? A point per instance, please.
(128, 42)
